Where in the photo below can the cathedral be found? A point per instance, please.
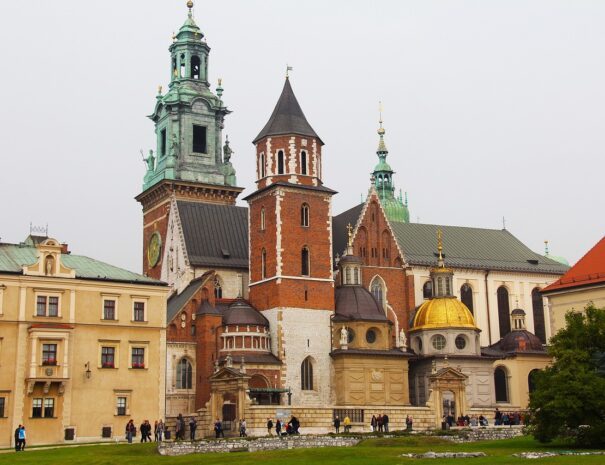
(283, 307)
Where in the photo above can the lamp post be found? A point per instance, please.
(289, 396)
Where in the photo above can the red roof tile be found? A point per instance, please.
(589, 270)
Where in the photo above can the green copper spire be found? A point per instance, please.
(395, 208)
(189, 118)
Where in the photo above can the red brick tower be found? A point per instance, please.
(291, 277)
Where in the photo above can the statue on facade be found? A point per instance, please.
(229, 361)
(150, 161)
(344, 337)
(403, 344)
(174, 146)
(227, 152)
(228, 170)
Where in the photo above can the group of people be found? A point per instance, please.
(380, 423)
(179, 429)
(159, 430)
(283, 428)
(465, 420)
(20, 438)
(509, 418)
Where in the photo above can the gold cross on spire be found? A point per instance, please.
(440, 245)
(350, 235)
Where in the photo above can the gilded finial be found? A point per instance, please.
(288, 69)
(440, 246)
(220, 81)
(189, 5)
(349, 235)
(159, 90)
(173, 36)
(380, 129)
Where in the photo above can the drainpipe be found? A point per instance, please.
(489, 326)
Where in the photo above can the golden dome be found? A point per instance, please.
(446, 312)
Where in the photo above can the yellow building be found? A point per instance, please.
(82, 345)
(582, 285)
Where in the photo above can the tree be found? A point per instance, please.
(569, 399)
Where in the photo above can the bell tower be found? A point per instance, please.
(291, 278)
(191, 161)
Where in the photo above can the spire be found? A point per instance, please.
(546, 247)
(382, 148)
(440, 261)
(441, 276)
(349, 239)
(287, 118)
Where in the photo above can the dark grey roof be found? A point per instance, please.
(177, 301)
(287, 117)
(339, 228)
(356, 303)
(475, 248)
(241, 312)
(289, 184)
(215, 235)
(374, 352)
(206, 308)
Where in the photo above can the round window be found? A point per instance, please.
(371, 336)
(350, 335)
(460, 342)
(439, 342)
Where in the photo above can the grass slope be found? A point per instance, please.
(381, 451)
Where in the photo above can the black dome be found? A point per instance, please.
(520, 340)
(241, 312)
(356, 303)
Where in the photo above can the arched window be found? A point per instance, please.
(377, 290)
(531, 380)
(183, 65)
(262, 218)
(348, 275)
(304, 259)
(303, 162)
(355, 275)
(538, 311)
(427, 290)
(261, 169)
(218, 289)
(184, 374)
(263, 264)
(503, 311)
(501, 385)
(304, 215)
(280, 162)
(306, 374)
(466, 296)
(195, 67)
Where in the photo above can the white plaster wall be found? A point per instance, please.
(179, 400)
(305, 333)
(519, 287)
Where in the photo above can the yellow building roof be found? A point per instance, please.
(446, 312)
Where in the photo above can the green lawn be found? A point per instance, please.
(378, 451)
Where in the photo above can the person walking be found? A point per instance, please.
(17, 441)
(379, 423)
(130, 431)
(385, 423)
(143, 430)
(22, 437)
(337, 424)
(347, 424)
(269, 426)
(278, 427)
(373, 423)
(242, 428)
(192, 428)
(160, 431)
(218, 429)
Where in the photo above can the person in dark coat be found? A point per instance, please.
(278, 427)
(269, 425)
(337, 424)
(385, 423)
(192, 428)
(17, 440)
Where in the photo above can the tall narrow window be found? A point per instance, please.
(199, 139)
(427, 290)
(304, 215)
(163, 142)
(280, 162)
(41, 305)
(305, 265)
(49, 407)
(356, 275)
(121, 406)
(218, 288)
(195, 67)
(262, 219)
(2, 406)
(262, 165)
(108, 355)
(531, 380)
(263, 264)
(139, 311)
(306, 375)
(501, 385)
(109, 309)
(538, 311)
(184, 373)
(503, 311)
(37, 408)
(303, 162)
(466, 296)
(138, 357)
(377, 290)
(183, 65)
(49, 354)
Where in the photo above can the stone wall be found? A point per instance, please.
(260, 444)
(491, 433)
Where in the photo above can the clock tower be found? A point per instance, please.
(191, 161)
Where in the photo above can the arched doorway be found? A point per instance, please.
(501, 384)
(229, 412)
(503, 311)
(449, 405)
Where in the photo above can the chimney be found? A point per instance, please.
(65, 248)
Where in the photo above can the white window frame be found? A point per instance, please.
(145, 302)
(116, 356)
(115, 298)
(47, 294)
(139, 345)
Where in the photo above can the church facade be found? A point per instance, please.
(282, 306)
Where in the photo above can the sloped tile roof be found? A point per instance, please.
(287, 117)
(14, 256)
(215, 235)
(589, 270)
(177, 301)
(339, 228)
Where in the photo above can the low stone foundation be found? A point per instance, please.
(490, 433)
(444, 455)
(253, 445)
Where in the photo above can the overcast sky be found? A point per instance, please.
(491, 108)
